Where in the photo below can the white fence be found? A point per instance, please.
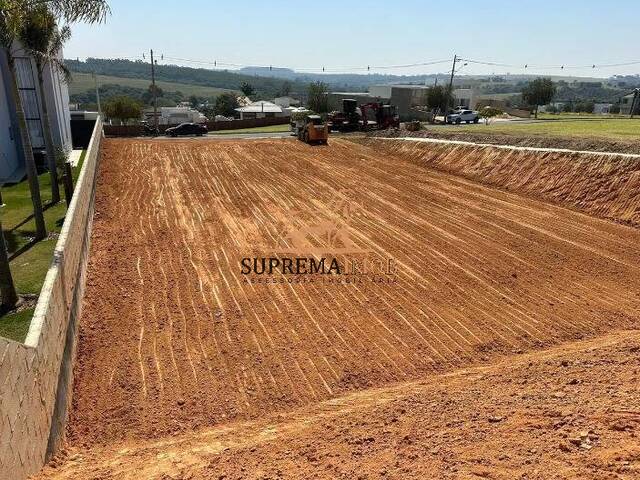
(35, 377)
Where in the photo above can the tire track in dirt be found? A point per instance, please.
(173, 337)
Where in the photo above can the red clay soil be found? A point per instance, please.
(594, 144)
(607, 186)
(566, 413)
(174, 340)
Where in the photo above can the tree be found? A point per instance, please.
(147, 97)
(317, 97)
(538, 92)
(13, 14)
(8, 294)
(123, 108)
(194, 101)
(247, 89)
(615, 108)
(285, 89)
(226, 104)
(437, 96)
(584, 107)
(489, 112)
(43, 39)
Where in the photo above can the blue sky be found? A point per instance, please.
(344, 35)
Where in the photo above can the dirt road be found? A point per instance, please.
(174, 338)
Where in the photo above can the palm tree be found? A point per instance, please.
(12, 17)
(43, 39)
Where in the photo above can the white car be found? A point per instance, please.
(460, 116)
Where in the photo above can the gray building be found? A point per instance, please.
(12, 167)
(408, 99)
(626, 102)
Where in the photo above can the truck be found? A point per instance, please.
(356, 117)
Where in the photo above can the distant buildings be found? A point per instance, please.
(260, 109)
(56, 96)
(286, 102)
(626, 103)
(407, 98)
(175, 115)
(602, 108)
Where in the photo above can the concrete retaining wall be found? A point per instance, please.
(35, 377)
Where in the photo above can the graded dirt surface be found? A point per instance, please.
(565, 413)
(176, 346)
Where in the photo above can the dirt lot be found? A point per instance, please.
(569, 412)
(174, 339)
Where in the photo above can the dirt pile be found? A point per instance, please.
(536, 141)
(607, 186)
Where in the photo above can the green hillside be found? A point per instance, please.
(83, 82)
(200, 77)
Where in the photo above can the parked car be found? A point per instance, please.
(187, 129)
(460, 116)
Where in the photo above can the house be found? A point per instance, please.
(602, 108)
(286, 102)
(175, 115)
(56, 96)
(627, 101)
(260, 109)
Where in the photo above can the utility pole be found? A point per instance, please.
(95, 81)
(634, 102)
(155, 97)
(446, 104)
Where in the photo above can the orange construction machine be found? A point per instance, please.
(313, 130)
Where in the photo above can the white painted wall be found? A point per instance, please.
(56, 95)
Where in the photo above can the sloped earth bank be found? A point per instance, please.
(599, 184)
(519, 140)
(176, 345)
(565, 413)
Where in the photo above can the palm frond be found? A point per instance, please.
(87, 11)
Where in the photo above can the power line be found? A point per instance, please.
(369, 68)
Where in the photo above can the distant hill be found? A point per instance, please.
(83, 82)
(119, 76)
(220, 79)
(82, 90)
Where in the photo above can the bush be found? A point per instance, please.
(488, 113)
(123, 109)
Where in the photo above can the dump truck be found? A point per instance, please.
(312, 130)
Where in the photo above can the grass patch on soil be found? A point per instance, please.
(29, 260)
(610, 129)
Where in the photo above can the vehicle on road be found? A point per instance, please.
(148, 130)
(187, 129)
(313, 130)
(468, 116)
(366, 116)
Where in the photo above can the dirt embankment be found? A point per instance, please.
(607, 186)
(536, 141)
